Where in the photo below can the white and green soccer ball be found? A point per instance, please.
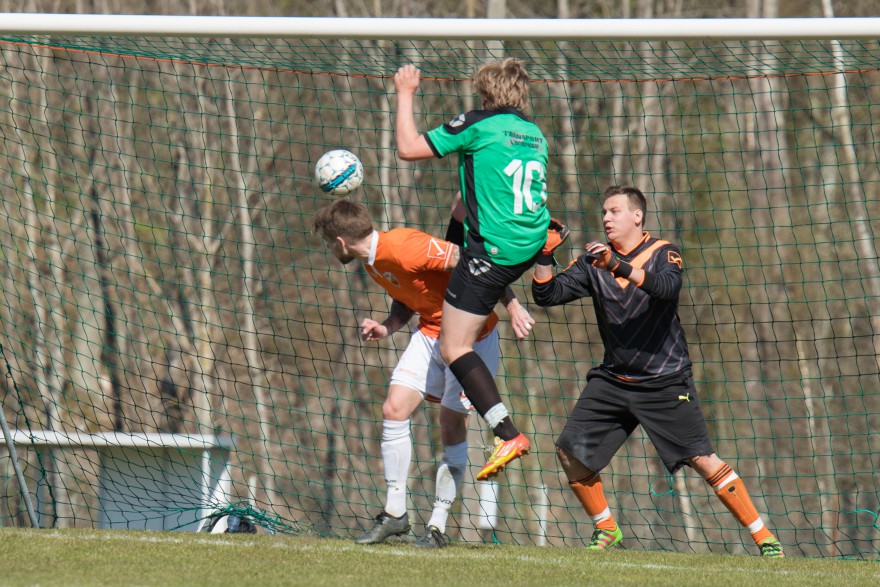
(339, 172)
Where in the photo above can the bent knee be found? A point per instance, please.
(446, 355)
(564, 457)
(453, 428)
(449, 351)
(705, 465)
(395, 411)
(574, 469)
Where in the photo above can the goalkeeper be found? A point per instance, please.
(502, 162)
(414, 268)
(645, 376)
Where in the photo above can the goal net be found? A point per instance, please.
(159, 282)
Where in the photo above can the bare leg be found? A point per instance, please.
(458, 333)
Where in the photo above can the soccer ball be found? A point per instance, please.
(339, 172)
(229, 524)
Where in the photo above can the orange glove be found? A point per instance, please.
(557, 233)
(602, 256)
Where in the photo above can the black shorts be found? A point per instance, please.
(477, 284)
(607, 412)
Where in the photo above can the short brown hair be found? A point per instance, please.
(637, 200)
(343, 218)
(503, 83)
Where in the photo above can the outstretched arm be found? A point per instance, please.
(543, 273)
(411, 146)
(557, 233)
(398, 316)
(568, 285)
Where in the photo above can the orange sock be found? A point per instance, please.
(592, 496)
(732, 492)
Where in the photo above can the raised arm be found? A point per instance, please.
(411, 146)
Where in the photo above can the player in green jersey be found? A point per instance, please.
(502, 163)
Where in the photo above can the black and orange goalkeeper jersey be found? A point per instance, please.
(639, 324)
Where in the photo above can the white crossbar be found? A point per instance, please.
(441, 28)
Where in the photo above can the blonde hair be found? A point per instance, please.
(345, 218)
(503, 83)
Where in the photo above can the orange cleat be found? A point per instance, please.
(505, 451)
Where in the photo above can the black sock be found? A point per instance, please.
(506, 430)
(479, 387)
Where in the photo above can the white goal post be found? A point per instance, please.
(443, 28)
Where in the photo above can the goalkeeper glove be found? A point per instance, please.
(557, 233)
(601, 256)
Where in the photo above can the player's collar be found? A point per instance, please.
(645, 237)
(511, 110)
(374, 244)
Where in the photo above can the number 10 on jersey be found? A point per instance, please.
(523, 176)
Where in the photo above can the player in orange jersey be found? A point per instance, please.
(414, 268)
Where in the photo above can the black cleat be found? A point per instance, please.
(433, 538)
(386, 526)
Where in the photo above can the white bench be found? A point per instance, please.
(149, 481)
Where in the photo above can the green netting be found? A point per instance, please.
(165, 310)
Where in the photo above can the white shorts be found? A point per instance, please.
(422, 368)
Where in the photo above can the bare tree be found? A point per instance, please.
(843, 182)
(247, 217)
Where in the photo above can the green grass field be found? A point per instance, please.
(100, 557)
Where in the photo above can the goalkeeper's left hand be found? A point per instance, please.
(557, 233)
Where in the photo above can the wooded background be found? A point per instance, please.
(159, 274)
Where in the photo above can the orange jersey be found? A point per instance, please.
(413, 267)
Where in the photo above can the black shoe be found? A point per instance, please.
(386, 526)
(433, 538)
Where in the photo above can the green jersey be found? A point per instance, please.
(502, 166)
